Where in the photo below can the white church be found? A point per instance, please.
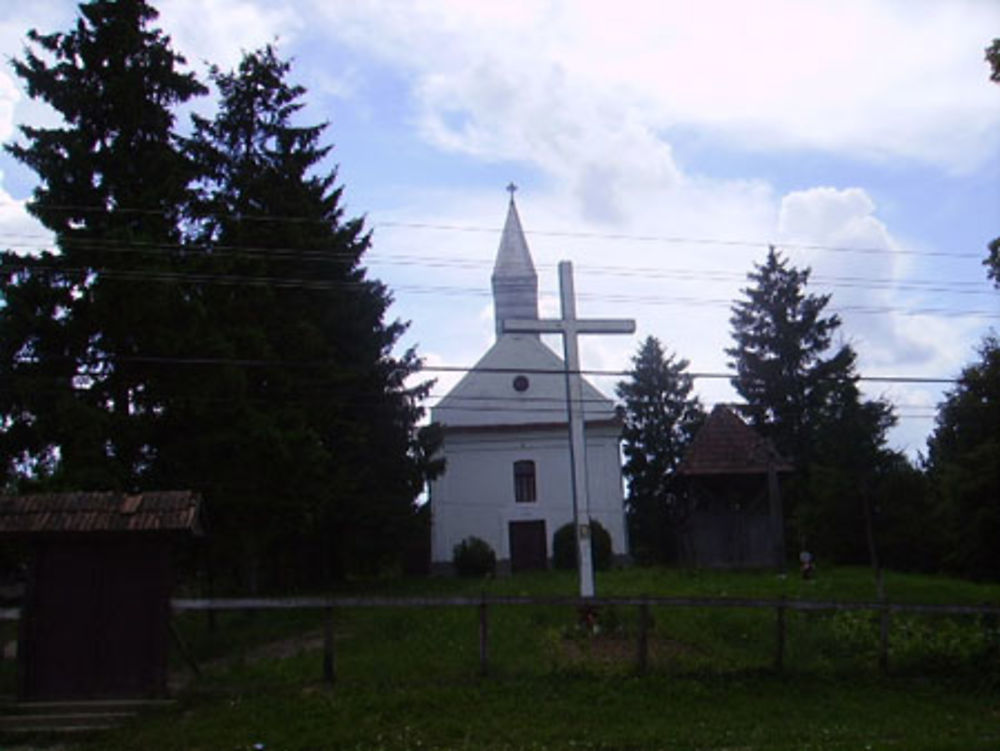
(507, 477)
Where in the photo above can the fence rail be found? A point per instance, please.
(483, 603)
(180, 604)
(642, 602)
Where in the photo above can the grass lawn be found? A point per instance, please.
(408, 679)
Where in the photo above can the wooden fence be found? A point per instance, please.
(483, 604)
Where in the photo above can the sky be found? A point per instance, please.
(659, 146)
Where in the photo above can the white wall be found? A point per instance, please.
(475, 494)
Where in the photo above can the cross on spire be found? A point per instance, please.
(511, 188)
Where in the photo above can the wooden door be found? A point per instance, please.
(96, 622)
(528, 546)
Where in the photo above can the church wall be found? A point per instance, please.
(475, 496)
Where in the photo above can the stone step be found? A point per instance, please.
(71, 717)
(85, 718)
(83, 707)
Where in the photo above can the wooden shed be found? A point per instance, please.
(95, 618)
(731, 476)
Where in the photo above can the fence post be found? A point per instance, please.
(883, 624)
(483, 637)
(183, 648)
(883, 638)
(642, 658)
(329, 675)
(991, 633)
(779, 653)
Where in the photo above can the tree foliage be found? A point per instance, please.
(802, 392)
(964, 465)
(78, 323)
(208, 322)
(661, 417)
(473, 557)
(992, 261)
(993, 58)
(565, 547)
(784, 371)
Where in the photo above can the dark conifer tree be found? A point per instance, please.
(802, 393)
(307, 432)
(783, 369)
(78, 399)
(661, 417)
(992, 261)
(964, 465)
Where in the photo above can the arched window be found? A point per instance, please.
(524, 481)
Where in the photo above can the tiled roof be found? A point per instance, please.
(725, 445)
(49, 513)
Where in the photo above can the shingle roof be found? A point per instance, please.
(725, 445)
(49, 513)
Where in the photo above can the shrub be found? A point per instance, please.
(474, 557)
(564, 547)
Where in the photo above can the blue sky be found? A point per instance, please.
(639, 133)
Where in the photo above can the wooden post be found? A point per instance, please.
(779, 650)
(883, 639)
(777, 516)
(883, 624)
(483, 636)
(329, 674)
(183, 649)
(990, 633)
(642, 658)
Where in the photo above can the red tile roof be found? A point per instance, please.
(725, 445)
(49, 513)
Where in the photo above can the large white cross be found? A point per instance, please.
(569, 326)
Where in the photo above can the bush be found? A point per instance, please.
(474, 557)
(564, 547)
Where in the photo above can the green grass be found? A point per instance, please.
(408, 678)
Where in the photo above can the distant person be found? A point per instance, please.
(806, 564)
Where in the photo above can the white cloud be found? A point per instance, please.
(221, 30)
(19, 231)
(9, 97)
(548, 81)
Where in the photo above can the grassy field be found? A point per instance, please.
(408, 679)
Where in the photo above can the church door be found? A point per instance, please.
(527, 546)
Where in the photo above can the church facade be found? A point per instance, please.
(507, 477)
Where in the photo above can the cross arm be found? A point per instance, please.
(559, 326)
(530, 326)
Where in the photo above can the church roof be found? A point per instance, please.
(489, 394)
(514, 281)
(725, 445)
(513, 257)
(519, 381)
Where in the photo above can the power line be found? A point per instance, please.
(555, 406)
(283, 363)
(666, 239)
(675, 239)
(196, 252)
(456, 291)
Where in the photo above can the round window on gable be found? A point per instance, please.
(521, 383)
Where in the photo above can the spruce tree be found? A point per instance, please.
(661, 417)
(802, 393)
(306, 427)
(783, 369)
(964, 466)
(79, 401)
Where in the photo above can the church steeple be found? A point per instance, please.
(515, 284)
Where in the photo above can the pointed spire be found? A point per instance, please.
(515, 284)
